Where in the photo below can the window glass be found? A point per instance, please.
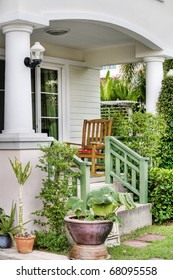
(49, 81)
(49, 105)
(46, 114)
(50, 126)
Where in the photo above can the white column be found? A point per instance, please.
(18, 105)
(154, 76)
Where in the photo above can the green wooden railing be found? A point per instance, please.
(83, 181)
(126, 166)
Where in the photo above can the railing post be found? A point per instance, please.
(84, 167)
(108, 161)
(143, 186)
(84, 183)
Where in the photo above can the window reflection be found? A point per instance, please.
(50, 126)
(49, 115)
(49, 102)
(49, 105)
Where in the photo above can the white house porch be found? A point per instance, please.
(120, 32)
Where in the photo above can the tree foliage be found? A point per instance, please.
(134, 74)
(142, 132)
(106, 87)
(165, 109)
(167, 65)
(129, 85)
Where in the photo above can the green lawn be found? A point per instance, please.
(162, 249)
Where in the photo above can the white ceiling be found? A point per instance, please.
(83, 35)
(87, 34)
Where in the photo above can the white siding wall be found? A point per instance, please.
(84, 99)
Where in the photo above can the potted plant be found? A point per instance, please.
(89, 228)
(7, 228)
(24, 240)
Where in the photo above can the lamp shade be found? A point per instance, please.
(37, 51)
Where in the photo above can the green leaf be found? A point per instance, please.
(74, 203)
(101, 209)
(103, 195)
(21, 175)
(78, 212)
(130, 201)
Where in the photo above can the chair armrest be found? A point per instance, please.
(74, 144)
(97, 145)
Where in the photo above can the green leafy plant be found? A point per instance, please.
(7, 222)
(59, 184)
(102, 204)
(142, 132)
(134, 74)
(165, 109)
(22, 175)
(160, 187)
(130, 85)
(106, 87)
(51, 241)
(123, 90)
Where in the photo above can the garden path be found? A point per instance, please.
(143, 240)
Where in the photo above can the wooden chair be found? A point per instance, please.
(93, 143)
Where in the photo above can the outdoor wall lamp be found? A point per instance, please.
(36, 52)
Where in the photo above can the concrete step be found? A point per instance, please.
(117, 186)
(134, 219)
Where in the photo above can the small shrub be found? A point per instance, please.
(165, 109)
(165, 103)
(57, 187)
(51, 241)
(161, 194)
(147, 135)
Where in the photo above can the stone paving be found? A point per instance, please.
(143, 240)
(135, 243)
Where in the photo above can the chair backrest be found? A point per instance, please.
(95, 131)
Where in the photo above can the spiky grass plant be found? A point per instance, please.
(22, 174)
(7, 221)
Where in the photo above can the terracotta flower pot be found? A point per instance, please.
(89, 236)
(25, 244)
